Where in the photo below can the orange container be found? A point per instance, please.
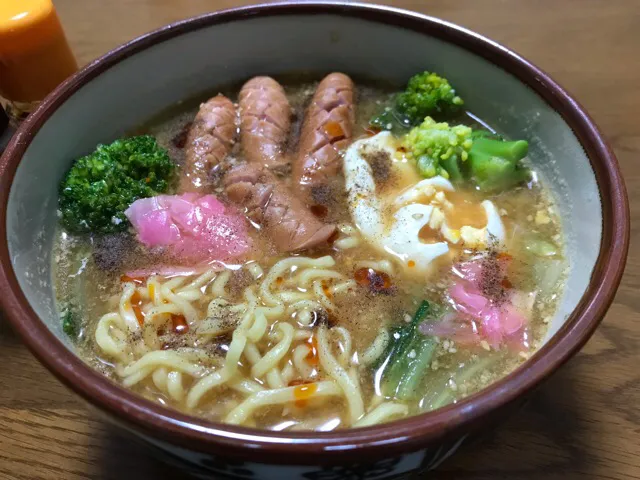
(34, 54)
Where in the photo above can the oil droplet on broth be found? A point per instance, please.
(302, 393)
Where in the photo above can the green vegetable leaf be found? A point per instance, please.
(407, 358)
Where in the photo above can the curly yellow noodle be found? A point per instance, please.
(309, 305)
(238, 343)
(304, 317)
(246, 386)
(159, 378)
(330, 365)
(299, 358)
(218, 287)
(383, 413)
(343, 286)
(110, 345)
(322, 297)
(349, 238)
(287, 373)
(274, 312)
(189, 295)
(214, 327)
(200, 281)
(174, 386)
(302, 334)
(138, 376)
(253, 354)
(259, 327)
(344, 345)
(273, 377)
(171, 359)
(153, 290)
(126, 311)
(275, 397)
(150, 338)
(291, 296)
(270, 359)
(255, 270)
(205, 385)
(347, 243)
(175, 282)
(307, 277)
(376, 349)
(190, 313)
(279, 269)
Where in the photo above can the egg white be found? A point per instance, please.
(423, 203)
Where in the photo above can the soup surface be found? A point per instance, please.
(309, 268)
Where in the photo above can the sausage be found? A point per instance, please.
(272, 205)
(326, 132)
(265, 120)
(209, 141)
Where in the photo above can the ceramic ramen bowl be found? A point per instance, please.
(121, 90)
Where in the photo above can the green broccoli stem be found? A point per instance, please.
(494, 164)
(452, 167)
(512, 151)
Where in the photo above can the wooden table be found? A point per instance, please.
(584, 423)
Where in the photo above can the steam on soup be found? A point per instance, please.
(315, 256)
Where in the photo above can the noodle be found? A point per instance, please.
(377, 348)
(270, 360)
(382, 413)
(270, 325)
(276, 396)
(350, 388)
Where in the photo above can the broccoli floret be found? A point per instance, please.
(101, 186)
(438, 148)
(427, 94)
(460, 153)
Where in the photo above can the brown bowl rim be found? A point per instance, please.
(388, 439)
